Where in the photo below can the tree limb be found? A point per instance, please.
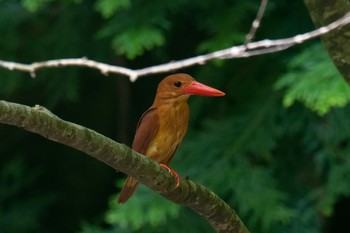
(337, 41)
(256, 23)
(239, 51)
(120, 157)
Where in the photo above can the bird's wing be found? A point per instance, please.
(146, 129)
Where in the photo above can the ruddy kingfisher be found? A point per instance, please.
(162, 127)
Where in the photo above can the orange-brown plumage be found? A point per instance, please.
(161, 128)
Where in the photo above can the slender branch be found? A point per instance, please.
(82, 62)
(120, 157)
(256, 23)
(246, 50)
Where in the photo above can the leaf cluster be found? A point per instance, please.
(17, 200)
(314, 80)
(275, 148)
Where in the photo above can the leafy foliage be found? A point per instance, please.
(314, 80)
(145, 212)
(109, 7)
(133, 42)
(14, 182)
(33, 5)
(262, 148)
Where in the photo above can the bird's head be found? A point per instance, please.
(182, 86)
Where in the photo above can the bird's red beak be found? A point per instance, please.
(197, 88)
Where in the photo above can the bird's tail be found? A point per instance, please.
(128, 189)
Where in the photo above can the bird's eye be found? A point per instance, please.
(177, 84)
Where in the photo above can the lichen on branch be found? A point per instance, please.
(41, 121)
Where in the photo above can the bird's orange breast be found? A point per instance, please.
(173, 121)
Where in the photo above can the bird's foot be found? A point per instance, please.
(172, 172)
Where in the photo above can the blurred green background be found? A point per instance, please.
(276, 147)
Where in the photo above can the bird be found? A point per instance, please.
(162, 127)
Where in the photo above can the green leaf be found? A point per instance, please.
(135, 41)
(33, 5)
(20, 213)
(144, 208)
(314, 81)
(108, 7)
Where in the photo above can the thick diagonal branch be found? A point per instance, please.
(120, 157)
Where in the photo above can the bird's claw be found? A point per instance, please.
(172, 172)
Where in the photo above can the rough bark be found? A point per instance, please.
(120, 157)
(337, 42)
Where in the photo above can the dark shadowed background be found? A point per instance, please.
(276, 147)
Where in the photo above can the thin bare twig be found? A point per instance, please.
(256, 23)
(82, 62)
(239, 51)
